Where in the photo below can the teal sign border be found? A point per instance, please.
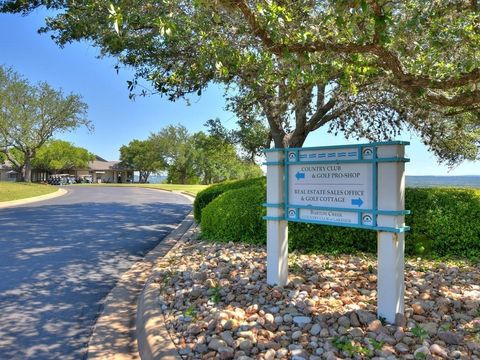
(358, 159)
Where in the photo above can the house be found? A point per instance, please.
(98, 171)
(103, 171)
(7, 173)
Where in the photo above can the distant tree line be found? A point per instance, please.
(187, 158)
(54, 156)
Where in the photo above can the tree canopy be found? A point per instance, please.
(30, 115)
(57, 155)
(200, 158)
(368, 68)
(141, 155)
(251, 136)
(187, 158)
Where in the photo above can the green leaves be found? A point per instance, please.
(142, 156)
(445, 218)
(58, 155)
(188, 158)
(116, 16)
(31, 114)
(398, 51)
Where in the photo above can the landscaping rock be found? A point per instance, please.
(366, 317)
(436, 349)
(225, 353)
(449, 337)
(421, 350)
(302, 320)
(246, 345)
(252, 320)
(315, 329)
(375, 326)
(215, 344)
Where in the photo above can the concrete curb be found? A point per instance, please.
(153, 339)
(114, 334)
(59, 192)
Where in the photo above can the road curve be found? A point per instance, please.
(59, 259)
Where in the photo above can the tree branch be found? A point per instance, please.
(319, 115)
(388, 60)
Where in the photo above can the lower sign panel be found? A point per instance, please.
(331, 216)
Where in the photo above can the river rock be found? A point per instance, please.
(225, 353)
(436, 349)
(449, 337)
(366, 317)
(216, 343)
(315, 329)
(302, 320)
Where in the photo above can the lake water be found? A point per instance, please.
(472, 181)
(152, 179)
(411, 181)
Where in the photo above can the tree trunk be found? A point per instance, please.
(183, 176)
(27, 168)
(297, 140)
(143, 177)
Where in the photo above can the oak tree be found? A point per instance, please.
(369, 68)
(30, 115)
(141, 155)
(58, 155)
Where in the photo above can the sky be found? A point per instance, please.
(118, 120)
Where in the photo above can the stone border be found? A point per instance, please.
(153, 339)
(7, 204)
(114, 334)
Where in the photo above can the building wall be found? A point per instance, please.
(112, 176)
(4, 176)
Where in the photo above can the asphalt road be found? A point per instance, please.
(59, 259)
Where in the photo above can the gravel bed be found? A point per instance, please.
(217, 305)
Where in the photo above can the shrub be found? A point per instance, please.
(444, 223)
(236, 215)
(204, 197)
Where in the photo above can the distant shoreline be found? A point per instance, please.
(471, 181)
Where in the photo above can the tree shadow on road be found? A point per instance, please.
(58, 262)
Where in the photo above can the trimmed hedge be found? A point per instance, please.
(206, 196)
(236, 216)
(445, 223)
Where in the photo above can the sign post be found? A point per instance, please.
(390, 245)
(359, 186)
(277, 226)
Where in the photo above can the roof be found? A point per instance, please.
(98, 158)
(106, 165)
(98, 164)
(7, 165)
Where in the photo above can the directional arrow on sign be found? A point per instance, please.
(300, 175)
(358, 202)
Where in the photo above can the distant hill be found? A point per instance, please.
(434, 181)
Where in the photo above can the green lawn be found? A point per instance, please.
(190, 189)
(16, 190)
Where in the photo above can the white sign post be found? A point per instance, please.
(390, 245)
(277, 226)
(358, 186)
